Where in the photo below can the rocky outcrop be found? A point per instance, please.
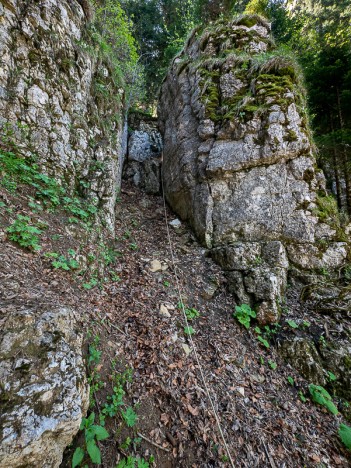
(238, 161)
(316, 362)
(143, 163)
(55, 95)
(43, 392)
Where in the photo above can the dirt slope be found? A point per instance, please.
(264, 421)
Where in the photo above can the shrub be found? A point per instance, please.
(25, 233)
(243, 314)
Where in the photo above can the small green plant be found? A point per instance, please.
(291, 380)
(91, 284)
(126, 443)
(61, 262)
(94, 356)
(127, 235)
(166, 283)
(192, 314)
(94, 378)
(263, 341)
(25, 233)
(261, 338)
(244, 314)
(272, 365)
(292, 324)
(129, 416)
(133, 462)
(306, 324)
(321, 396)
(345, 435)
(331, 376)
(302, 397)
(189, 331)
(92, 434)
(114, 277)
(115, 401)
(133, 246)
(322, 341)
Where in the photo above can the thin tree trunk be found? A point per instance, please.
(335, 165)
(346, 168)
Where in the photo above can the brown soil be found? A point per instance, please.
(264, 422)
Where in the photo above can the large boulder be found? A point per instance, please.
(238, 161)
(43, 392)
(143, 163)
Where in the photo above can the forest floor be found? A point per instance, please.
(262, 417)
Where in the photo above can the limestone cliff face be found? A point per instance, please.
(238, 160)
(54, 94)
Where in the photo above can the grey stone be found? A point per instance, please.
(243, 175)
(44, 392)
(58, 98)
(303, 355)
(143, 165)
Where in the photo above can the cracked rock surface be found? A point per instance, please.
(44, 393)
(239, 163)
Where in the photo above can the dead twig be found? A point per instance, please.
(270, 459)
(153, 443)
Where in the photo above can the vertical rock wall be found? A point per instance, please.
(59, 98)
(238, 161)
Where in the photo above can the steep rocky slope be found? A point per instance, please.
(239, 162)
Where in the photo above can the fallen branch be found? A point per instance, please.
(153, 443)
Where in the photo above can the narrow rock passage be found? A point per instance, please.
(140, 325)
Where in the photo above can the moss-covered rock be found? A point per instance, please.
(239, 158)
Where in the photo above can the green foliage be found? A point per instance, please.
(331, 376)
(321, 396)
(291, 380)
(263, 341)
(292, 324)
(244, 314)
(133, 462)
(115, 401)
(189, 331)
(345, 435)
(94, 355)
(327, 209)
(111, 31)
(91, 284)
(92, 434)
(61, 262)
(160, 28)
(257, 7)
(25, 233)
(25, 171)
(129, 416)
(272, 365)
(94, 378)
(192, 314)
